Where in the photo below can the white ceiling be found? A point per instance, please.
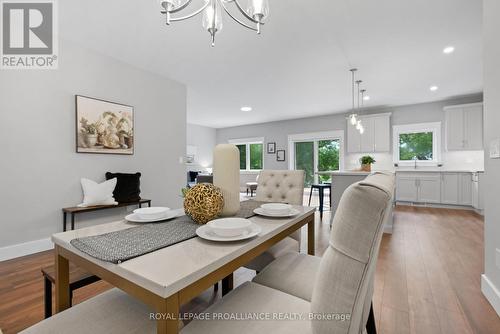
(299, 66)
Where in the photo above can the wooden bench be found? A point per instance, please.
(78, 278)
(73, 211)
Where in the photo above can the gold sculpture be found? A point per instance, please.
(203, 202)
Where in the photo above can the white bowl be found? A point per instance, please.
(229, 227)
(276, 208)
(151, 213)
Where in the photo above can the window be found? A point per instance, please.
(417, 144)
(251, 153)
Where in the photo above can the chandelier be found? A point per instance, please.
(255, 13)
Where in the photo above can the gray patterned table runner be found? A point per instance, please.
(127, 244)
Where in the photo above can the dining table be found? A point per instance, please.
(169, 277)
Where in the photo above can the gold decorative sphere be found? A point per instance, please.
(203, 203)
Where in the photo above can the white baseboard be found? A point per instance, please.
(491, 292)
(27, 248)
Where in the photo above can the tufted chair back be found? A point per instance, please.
(281, 186)
(344, 283)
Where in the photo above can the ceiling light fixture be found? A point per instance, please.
(434, 88)
(256, 12)
(449, 49)
(246, 109)
(366, 98)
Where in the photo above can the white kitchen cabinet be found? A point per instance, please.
(368, 136)
(449, 188)
(418, 187)
(382, 134)
(406, 189)
(376, 137)
(429, 188)
(464, 127)
(353, 139)
(465, 191)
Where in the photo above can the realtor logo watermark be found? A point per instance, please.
(29, 34)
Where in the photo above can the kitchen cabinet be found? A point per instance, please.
(464, 127)
(465, 191)
(418, 187)
(477, 195)
(449, 188)
(376, 137)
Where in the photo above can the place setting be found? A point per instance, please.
(276, 210)
(228, 229)
(151, 215)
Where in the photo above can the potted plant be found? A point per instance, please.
(89, 131)
(366, 163)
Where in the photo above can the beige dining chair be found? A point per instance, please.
(297, 293)
(279, 186)
(332, 294)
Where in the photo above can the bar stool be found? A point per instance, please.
(321, 188)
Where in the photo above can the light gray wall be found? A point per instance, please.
(278, 131)
(492, 126)
(40, 171)
(204, 139)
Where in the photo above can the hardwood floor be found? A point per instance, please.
(427, 279)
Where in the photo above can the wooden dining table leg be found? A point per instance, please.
(310, 236)
(168, 318)
(227, 284)
(61, 282)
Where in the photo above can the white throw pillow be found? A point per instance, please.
(98, 193)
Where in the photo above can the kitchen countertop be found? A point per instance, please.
(436, 170)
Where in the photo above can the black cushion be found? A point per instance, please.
(128, 186)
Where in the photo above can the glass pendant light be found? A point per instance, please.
(353, 119)
(212, 20)
(258, 10)
(168, 6)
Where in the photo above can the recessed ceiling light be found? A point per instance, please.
(434, 88)
(448, 49)
(246, 109)
(366, 98)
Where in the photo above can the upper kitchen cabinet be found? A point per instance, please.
(376, 137)
(464, 127)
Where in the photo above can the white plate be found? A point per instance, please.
(205, 232)
(155, 212)
(135, 219)
(229, 227)
(262, 212)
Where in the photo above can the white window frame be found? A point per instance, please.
(315, 137)
(247, 142)
(434, 127)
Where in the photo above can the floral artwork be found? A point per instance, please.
(104, 127)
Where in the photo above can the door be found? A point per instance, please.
(406, 189)
(429, 189)
(382, 133)
(455, 129)
(368, 137)
(465, 189)
(304, 160)
(449, 190)
(473, 119)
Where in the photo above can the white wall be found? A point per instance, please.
(428, 112)
(491, 277)
(204, 139)
(39, 169)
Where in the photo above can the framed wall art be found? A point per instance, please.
(104, 127)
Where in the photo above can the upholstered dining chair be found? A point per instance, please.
(279, 186)
(328, 295)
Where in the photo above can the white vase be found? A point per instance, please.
(226, 169)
